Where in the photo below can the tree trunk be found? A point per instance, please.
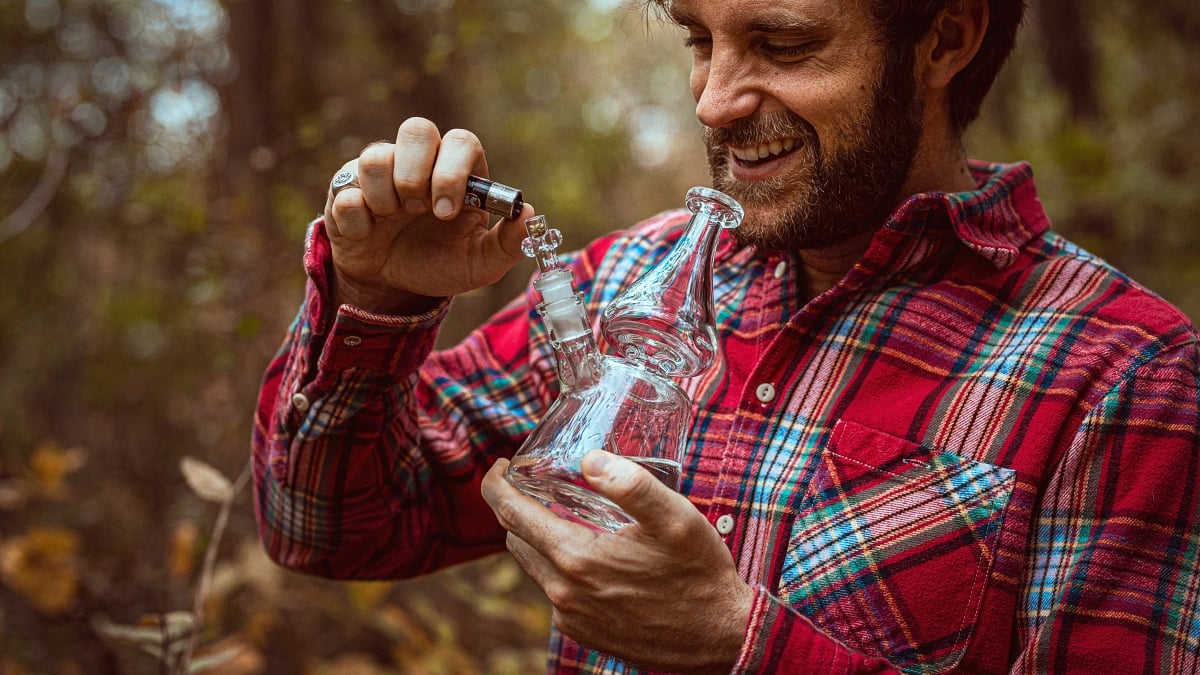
(1069, 56)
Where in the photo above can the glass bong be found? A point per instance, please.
(661, 327)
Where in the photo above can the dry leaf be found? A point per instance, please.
(51, 464)
(166, 633)
(181, 561)
(231, 656)
(42, 566)
(208, 483)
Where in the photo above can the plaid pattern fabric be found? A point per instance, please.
(978, 452)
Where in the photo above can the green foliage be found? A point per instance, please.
(1125, 185)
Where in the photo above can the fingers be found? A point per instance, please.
(517, 512)
(421, 171)
(460, 155)
(416, 149)
(504, 240)
(431, 170)
(541, 542)
(655, 506)
(375, 171)
(346, 213)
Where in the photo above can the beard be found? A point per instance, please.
(831, 196)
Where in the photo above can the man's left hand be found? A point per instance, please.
(661, 593)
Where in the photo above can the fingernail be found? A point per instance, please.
(443, 207)
(414, 206)
(596, 463)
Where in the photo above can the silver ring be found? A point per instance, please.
(344, 179)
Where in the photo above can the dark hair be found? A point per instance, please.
(904, 23)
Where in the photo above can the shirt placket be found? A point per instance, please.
(759, 393)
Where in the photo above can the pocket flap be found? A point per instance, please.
(893, 545)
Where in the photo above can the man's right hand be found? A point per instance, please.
(403, 238)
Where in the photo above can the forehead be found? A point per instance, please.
(766, 15)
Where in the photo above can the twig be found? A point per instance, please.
(210, 563)
(38, 199)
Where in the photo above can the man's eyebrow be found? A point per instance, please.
(769, 22)
(681, 17)
(783, 22)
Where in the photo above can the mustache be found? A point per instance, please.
(762, 129)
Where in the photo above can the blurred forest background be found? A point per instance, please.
(159, 160)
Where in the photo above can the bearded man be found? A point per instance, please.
(942, 437)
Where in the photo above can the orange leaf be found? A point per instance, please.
(42, 566)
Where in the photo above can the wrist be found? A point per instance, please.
(377, 300)
(731, 639)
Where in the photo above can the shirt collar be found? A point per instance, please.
(996, 220)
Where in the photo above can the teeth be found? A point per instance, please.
(755, 153)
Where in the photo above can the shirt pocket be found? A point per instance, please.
(893, 545)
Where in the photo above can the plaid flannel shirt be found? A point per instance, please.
(977, 452)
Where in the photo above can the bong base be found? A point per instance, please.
(567, 495)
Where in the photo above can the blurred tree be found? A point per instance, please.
(1069, 56)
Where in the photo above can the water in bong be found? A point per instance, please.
(566, 492)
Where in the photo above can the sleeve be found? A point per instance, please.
(1110, 580)
(1112, 585)
(369, 448)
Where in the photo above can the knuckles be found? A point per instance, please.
(376, 161)
(417, 130)
(462, 137)
(572, 566)
(507, 512)
(562, 597)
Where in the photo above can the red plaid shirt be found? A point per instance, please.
(978, 451)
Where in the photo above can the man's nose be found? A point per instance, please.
(725, 90)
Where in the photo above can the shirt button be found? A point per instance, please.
(300, 401)
(352, 341)
(725, 524)
(781, 269)
(765, 392)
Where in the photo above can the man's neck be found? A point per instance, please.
(823, 268)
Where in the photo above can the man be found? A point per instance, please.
(943, 438)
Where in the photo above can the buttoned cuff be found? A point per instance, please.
(391, 345)
(352, 338)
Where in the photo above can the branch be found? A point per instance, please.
(39, 198)
(210, 562)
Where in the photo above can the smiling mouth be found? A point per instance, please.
(763, 152)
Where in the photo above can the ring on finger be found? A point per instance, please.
(346, 178)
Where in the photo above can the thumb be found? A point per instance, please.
(629, 486)
(509, 233)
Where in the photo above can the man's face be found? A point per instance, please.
(804, 124)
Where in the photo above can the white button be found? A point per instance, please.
(725, 524)
(352, 341)
(765, 392)
(781, 269)
(300, 401)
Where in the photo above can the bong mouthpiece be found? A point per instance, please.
(541, 244)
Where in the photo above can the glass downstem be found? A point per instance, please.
(575, 351)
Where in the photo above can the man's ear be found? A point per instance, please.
(953, 40)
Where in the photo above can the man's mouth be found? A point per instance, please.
(755, 155)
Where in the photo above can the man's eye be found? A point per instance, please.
(787, 50)
(697, 42)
